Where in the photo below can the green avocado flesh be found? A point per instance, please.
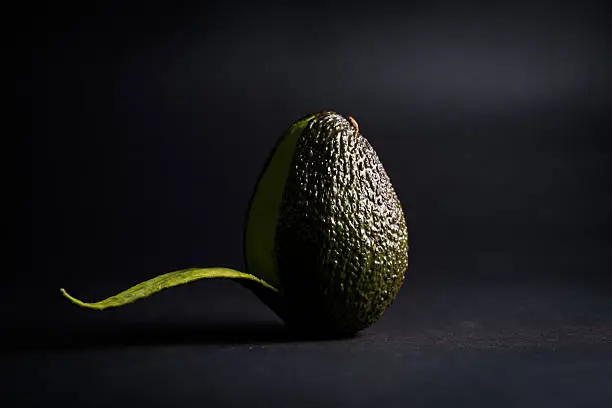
(260, 228)
(325, 239)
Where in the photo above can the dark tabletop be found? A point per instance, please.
(503, 343)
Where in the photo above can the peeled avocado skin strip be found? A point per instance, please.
(165, 281)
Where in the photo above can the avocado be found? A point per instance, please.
(335, 238)
(325, 238)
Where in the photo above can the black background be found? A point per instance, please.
(144, 126)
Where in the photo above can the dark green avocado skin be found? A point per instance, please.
(341, 238)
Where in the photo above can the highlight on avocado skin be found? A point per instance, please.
(325, 238)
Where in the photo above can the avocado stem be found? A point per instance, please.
(167, 280)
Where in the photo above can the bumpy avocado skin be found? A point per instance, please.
(341, 238)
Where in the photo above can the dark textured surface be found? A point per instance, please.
(509, 345)
(341, 238)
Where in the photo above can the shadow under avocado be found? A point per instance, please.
(152, 334)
